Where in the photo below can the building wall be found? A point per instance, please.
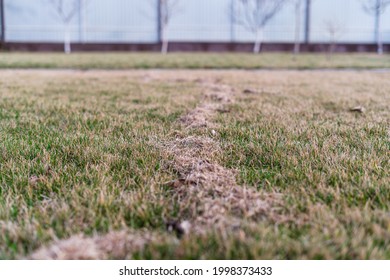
(134, 21)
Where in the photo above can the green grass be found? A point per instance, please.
(192, 61)
(93, 133)
(77, 156)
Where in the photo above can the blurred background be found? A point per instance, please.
(210, 21)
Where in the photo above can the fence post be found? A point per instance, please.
(232, 27)
(2, 22)
(159, 24)
(307, 21)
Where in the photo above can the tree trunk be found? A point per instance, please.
(164, 41)
(332, 46)
(378, 35)
(67, 44)
(258, 41)
(164, 46)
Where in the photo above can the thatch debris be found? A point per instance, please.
(114, 245)
(249, 91)
(358, 109)
(215, 100)
(208, 193)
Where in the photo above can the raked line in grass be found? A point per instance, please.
(208, 194)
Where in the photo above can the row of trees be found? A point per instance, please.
(253, 15)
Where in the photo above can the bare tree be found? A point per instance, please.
(334, 29)
(167, 9)
(376, 8)
(254, 16)
(67, 10)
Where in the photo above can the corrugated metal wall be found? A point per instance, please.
(135, 21)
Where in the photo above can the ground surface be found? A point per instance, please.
(192, 61)
(194, 164)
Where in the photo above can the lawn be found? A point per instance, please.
(190, 164)
(192, 61)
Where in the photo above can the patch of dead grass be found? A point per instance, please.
(215, 100)
(207, 192)
(114, 245)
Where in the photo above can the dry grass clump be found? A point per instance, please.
(114, 245)
(217, 98)
(200, 116)
(207, 193)
(187, 147)
(210, 197)
(74, 248)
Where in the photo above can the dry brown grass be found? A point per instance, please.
(207, 193)
(114, 245)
